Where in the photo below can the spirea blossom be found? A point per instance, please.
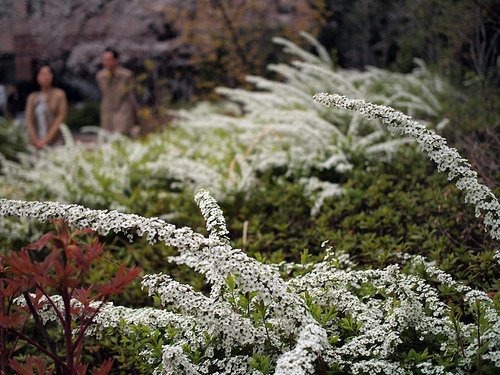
(311, 342)
(217, 317)
(104, 221)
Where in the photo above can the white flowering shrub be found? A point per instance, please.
(226, 147)
(285, 132)
(328, 317)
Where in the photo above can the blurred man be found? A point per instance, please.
(118, 103)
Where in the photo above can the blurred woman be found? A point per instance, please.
(46, 110)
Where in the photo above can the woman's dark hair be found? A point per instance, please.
(38, 66)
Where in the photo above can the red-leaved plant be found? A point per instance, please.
(60, 272)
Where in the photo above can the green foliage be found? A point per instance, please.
(141, 338)
(13, 138)
(394, 209)
(261, 363)
(83, 114)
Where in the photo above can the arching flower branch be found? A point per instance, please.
(446, 158)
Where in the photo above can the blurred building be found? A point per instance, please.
(72, 35)
(175, 36)
(17, 47)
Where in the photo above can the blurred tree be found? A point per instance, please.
(364, 32)
(232, 38)
(460, 37)
(473, 29)
(73, 34)
(224, 39)
(61, 27)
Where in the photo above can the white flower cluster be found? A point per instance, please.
(383, 304)
(218, 260)
(217, 318)
(311, 342)
(377, 366)
(104, 221)
(446, 158)
(324, 190)
(99, 175)
(174, 360)
(471, 299)
(215, 221)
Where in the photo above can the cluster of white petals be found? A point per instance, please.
(397, 302)
(216, 317)
(104, 221)
(175, 360)
(312, 341)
